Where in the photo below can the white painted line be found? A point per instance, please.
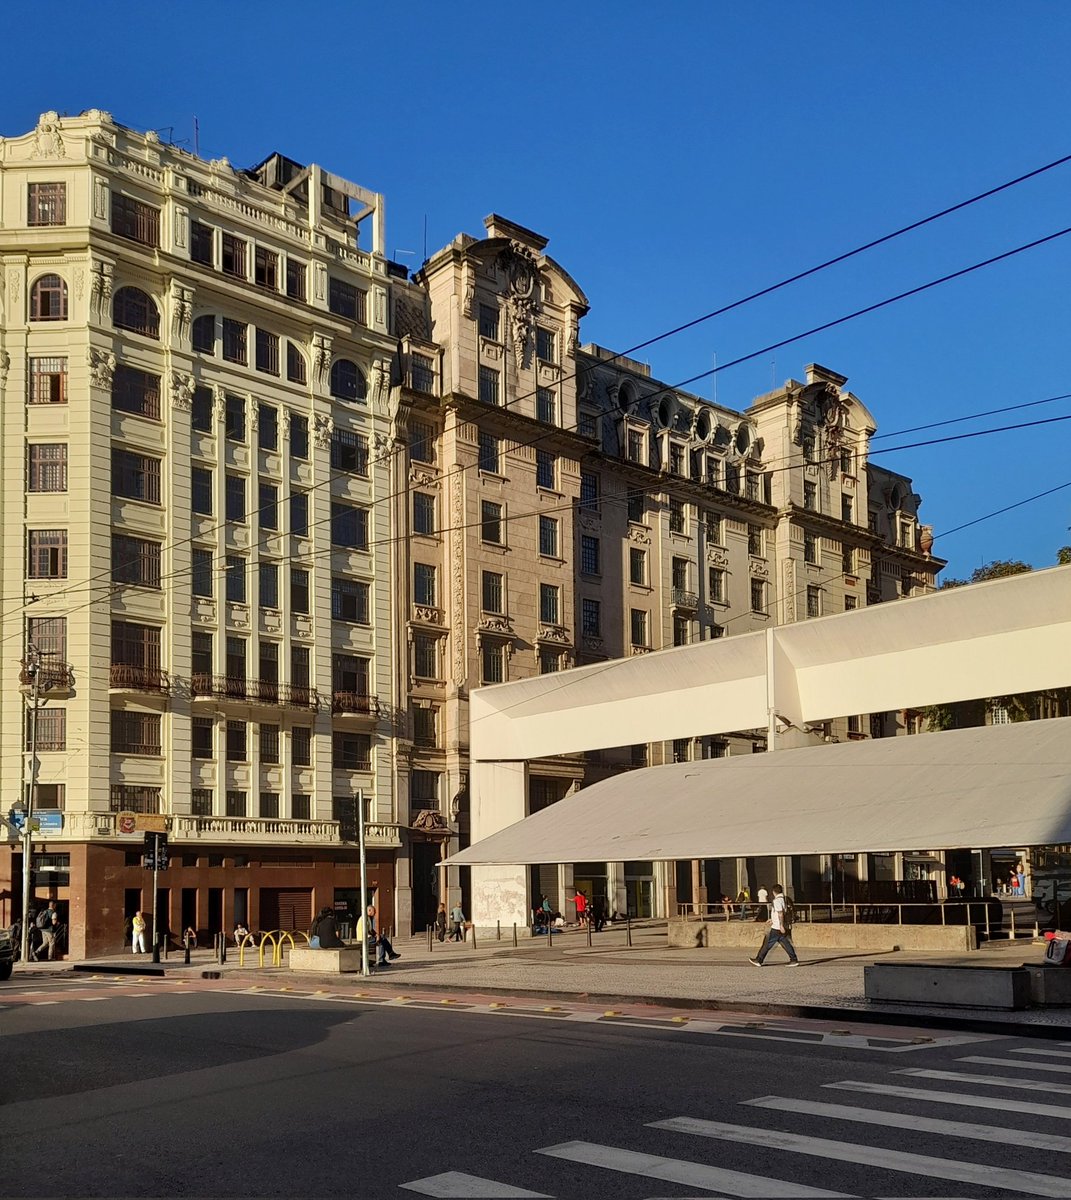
(92, 999)
(1016, 1064)
(874, 1157)
(688, 1174)
(1023, 1085)
(896, 1120)
(1031, 1050)
(39, 1003)
(964, 1099)
(460, 1186)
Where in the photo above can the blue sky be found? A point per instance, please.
(677, 159)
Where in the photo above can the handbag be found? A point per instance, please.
(314, 942)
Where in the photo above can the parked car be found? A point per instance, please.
(7, 953)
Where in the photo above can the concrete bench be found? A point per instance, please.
(952, 984)
(688, 932)
(340, 961)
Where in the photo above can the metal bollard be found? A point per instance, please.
(430, 935)
(628, 929)
(987, 921)
(514, 934)
(589, 932)
(498, 931)
(186, 956)
(1011, 934)
(550, 934)
(472, 930)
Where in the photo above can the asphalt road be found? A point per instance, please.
(137, 1089)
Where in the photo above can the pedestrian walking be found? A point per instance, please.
(780, 931)
(137, 933)
(598, 913)
(440, 923)
(744, 900)
(762, 913)
(457, 917)
(48, 922)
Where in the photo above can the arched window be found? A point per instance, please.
(295, 364)
(204, 334)
(48, 299)
(134, 310)
(347, 381)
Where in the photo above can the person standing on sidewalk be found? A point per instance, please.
(440, 923)
(138, 933)
(780, 931)
(457, 915)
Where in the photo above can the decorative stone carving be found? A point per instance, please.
(219, 403)
(521, 270)
(835, 424)
(590, 521)
(422, 479)
(717, 558)
(925, 531)
(639, 533)
(789, 606)
(5, 363)
(100, 197)
(254, 415)
(501, 625)
(100, 290)
(321, 430)
(572, 340)
(760, 570)
(14, 286)
(79, 283)
(101, 367)
(47, 139)
(553, 633)
(468, 290)
(458, 581)
(382, 447)
(429, 616)
(321, 357)
(181, 310)
(593, 643)
(380, 381)
(182, 385)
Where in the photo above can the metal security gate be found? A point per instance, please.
(286, 908)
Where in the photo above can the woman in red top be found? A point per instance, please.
(581, 902)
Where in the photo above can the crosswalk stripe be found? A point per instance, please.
(964, 1099)
(1023, 1085)
(1033, 1050)
(460, 1186)
(688, 1174)
(896, 1120)
(1012, 1182)
(1018, 1065)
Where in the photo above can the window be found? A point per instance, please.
(846, 462)
(201, 490)
(236, 741)
(847, 510)
(299, 436)
(351, 751)
(850, 603)
(126, 797)
(758, 596)
(299, 590)
(349, 452)
(234, 570)
(814, 602)
(201, 802)
(266, 352)
(201, 243)
(233, 260)
(135, 476)
(47, 553)
(425, 726)
(48, 299)
(716, 585)
(235, 803)
(590, 555)
(51, 732)
(267, 427)
(299, 667)
(546, 406)
(135, 311)
(550, 661)
(299, 514)
(135, 220)
(268, 669)
(847, 560)
(423, 513)
(637, 566)
(48, 380)
(677, 516)
(422, 374)
(234, 341)
(490, 458)
(348, 381)
(638, 755)
(589, 490)
(268, 585)
(638, 627)
(135, 645)
(424, 590)
(135, 560)
(676, 458)
(267, 504)
(755, 541)
(492, 592)
(587, 425)
(349, 674)
(682, 630)
(202, 736)
(135, 732)
(807, 445)
(591, 618)
(546, 469)
(301, 746)
(682, 750)
(204, 334)
(753, 486)
(349, 601)
(47, 204)
(345, 300)
(810, 549)
(46, 467)
(492, 662)
(269, 804)
(49, 636)
(349, 526)
(636, 503)
(732, 478)
(424, 789)
(549, 604)
(234, 499)
(268, 742)
(421, 442)
(810, 496)
(491, 522)
(488, 386)
(295, 279)
(296, 369)
(234, 418)
(545, 345)
(489, 322)
(201, 659)
(548, 537)
(201, 571)
(425, 656)
(137, 392)
(635, 445)
(715, 529)
(266, 268)
(713, 470)
(906, 530)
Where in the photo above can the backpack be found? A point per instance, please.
(44, 918)
(789, 915)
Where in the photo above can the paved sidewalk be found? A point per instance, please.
(825, 984)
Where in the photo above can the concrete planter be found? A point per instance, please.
(807, 935)
(947, 984)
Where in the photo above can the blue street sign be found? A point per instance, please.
(45, 820)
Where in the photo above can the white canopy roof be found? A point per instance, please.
(1004, 785)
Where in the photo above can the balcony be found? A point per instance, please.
(354, 702)
(682, 598)
(255, 691)
(139, 679)
(237, 831)
(52, 677)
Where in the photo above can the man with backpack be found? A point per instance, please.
(48, 923)
(780, 931)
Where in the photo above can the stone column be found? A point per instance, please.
(499, 797)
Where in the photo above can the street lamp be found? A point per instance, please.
(33, 670)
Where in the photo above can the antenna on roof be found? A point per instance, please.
(197, 137)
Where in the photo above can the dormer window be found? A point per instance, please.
(635, 446)
(677, 459)
(489, 322)
(545, 345)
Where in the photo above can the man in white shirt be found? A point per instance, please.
(763, 913)
(780, 931)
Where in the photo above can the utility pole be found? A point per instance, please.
(365, 968)
(155, 897)
(33, 667)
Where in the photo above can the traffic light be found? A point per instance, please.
(156, 852)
